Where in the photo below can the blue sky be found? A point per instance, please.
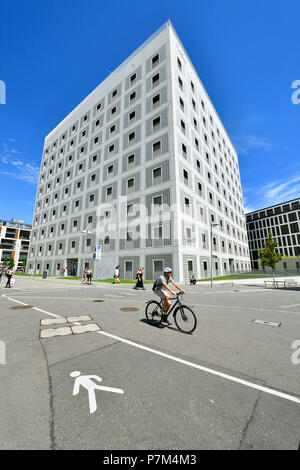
(54, 53)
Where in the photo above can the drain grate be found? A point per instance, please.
(129, 309)
(98, 300)
(21, 307)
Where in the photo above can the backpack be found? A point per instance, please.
(154, 286)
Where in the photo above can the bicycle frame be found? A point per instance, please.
(177, 303)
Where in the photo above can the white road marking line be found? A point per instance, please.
(288, 306)
(190, 364)
(205, 369)
(13, 300)
(48, 313)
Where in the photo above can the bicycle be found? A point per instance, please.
(184, 317)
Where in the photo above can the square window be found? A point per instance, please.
(112, 129)
(132, 78)
(155, 60)
(155, 80)
(93, 177)
(132, 116)
(111, 148)
(109, 191)
(113, 110)
(156, 101)
(110, 169)
(130, 183)
(131, 137)
(157, 173)
(98, 106)
(130, 159)
(92, 198)
(156, 123)
(179, 64)
(180, 82)
(114, 93)
(157, 201)
(96, 140)
(156, 147)
(132, 96)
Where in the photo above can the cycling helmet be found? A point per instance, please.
(167, 270)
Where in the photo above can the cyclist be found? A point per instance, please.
(160, 288)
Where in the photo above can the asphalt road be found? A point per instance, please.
(230, 385)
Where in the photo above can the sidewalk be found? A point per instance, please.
(249, 282)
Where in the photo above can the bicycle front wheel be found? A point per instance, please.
(185, 319)
(153, 312)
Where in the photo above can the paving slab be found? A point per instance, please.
(53, 321)
(85, 328)
(51, 332)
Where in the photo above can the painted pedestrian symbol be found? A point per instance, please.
(86, 382)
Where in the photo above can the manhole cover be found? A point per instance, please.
(20, 307)
(98, 300)
(129, 309)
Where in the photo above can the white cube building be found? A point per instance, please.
(142, 167)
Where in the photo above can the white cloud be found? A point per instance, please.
(244, 143)
(275, 192)
(17, 167)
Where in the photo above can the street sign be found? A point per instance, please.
(99, 248)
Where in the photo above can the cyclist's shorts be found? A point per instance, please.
(162, 293)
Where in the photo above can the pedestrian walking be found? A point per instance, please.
(83, 277)
(1, 274)
(89, 275)
(9, 273)
(139, 277)
(117, 275)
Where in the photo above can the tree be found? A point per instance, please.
(268, 255)
(8, 262)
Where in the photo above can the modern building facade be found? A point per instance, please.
(283, 220)
(14, 241)
(142, 167)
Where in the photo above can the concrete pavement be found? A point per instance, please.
(166, 404)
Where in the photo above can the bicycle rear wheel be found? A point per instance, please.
(153, 312)
(185, 319)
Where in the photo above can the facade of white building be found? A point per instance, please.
(141, 167)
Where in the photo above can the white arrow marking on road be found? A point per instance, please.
(86, 382)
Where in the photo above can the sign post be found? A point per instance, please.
(97, 258)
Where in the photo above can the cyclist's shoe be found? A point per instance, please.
(164, 319)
